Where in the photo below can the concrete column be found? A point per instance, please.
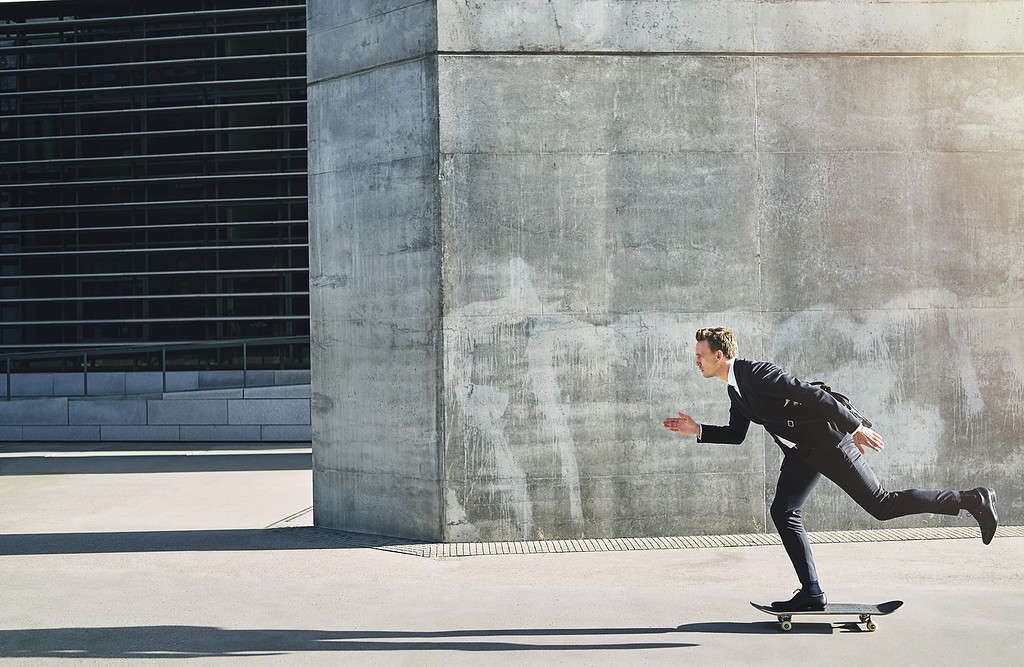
(375, 257)
(521, 210)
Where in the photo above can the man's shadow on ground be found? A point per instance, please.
(183, 641)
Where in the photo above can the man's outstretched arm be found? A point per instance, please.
(732, 434)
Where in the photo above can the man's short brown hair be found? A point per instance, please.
(719, 338)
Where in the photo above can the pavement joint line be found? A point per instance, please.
(605, 544)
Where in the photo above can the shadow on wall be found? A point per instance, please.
(184, 641)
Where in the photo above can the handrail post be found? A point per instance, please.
(85, 373)
(245, 367)
(163, 366)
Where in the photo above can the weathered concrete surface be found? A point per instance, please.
(839, 182)
(374, 265)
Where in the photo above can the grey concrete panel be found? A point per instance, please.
(34, 411)
(269, 411)
(143, 382)
(543, 234)
(221, 433)
(237, 392)
(285, 433)
(376, 503)
(261, 378)
(343, 39)
(67, 384)
(182, 380)
(219, 379)
(196, 411)
(375, 117)
(910, 26)
(611, 506)
(113, 432)
(376, 383)
(606, 25)
(838, 26)
(105, 384)
(375, 246)
(584, 104)
(939, 383)
(886, 104)
(291, 377)
(10, 433)
(280, 391)
(847, 229)
(52, 433)
(31, 384)
(118, 411)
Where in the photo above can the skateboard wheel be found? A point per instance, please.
(871, 626)
(786, 626)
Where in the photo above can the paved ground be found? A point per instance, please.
(169, 558)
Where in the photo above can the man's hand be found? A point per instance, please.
(865, 437)
(683, 425)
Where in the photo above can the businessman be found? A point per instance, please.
(818, 436)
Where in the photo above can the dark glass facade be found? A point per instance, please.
(153, 162)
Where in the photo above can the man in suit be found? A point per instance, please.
(818, 436)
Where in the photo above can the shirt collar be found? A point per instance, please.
(732, 376)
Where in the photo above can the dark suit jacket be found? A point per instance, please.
(805, 415)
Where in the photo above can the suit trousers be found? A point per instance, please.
(846, 466)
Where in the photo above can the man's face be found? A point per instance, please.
(707, 361)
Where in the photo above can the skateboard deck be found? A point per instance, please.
(863, 611)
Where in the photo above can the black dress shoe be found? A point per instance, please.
(801, 602)
(981, 503)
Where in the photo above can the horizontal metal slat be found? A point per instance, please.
(147, 63)
(73, 160)
(129, 297)
(125, 274)
(156, 319)
(116, 348)
(146, 86)
(119, 251)
(140, 40)
(191, 130)
(170, 202)
(191, 107)
(154, 180)
(147, 17)
(143, 227)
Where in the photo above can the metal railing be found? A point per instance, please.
(140, 348)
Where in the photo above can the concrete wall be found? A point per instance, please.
(374, 266)
(839, 182)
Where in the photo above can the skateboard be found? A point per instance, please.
(864, 611)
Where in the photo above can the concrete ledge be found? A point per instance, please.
(35, 411)
(286, 433)
(220, 433)
(198, 411)
(203, 393)
(117, 411)
(281, 391)
(269, 411)
(130, 433)
(60, 433)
